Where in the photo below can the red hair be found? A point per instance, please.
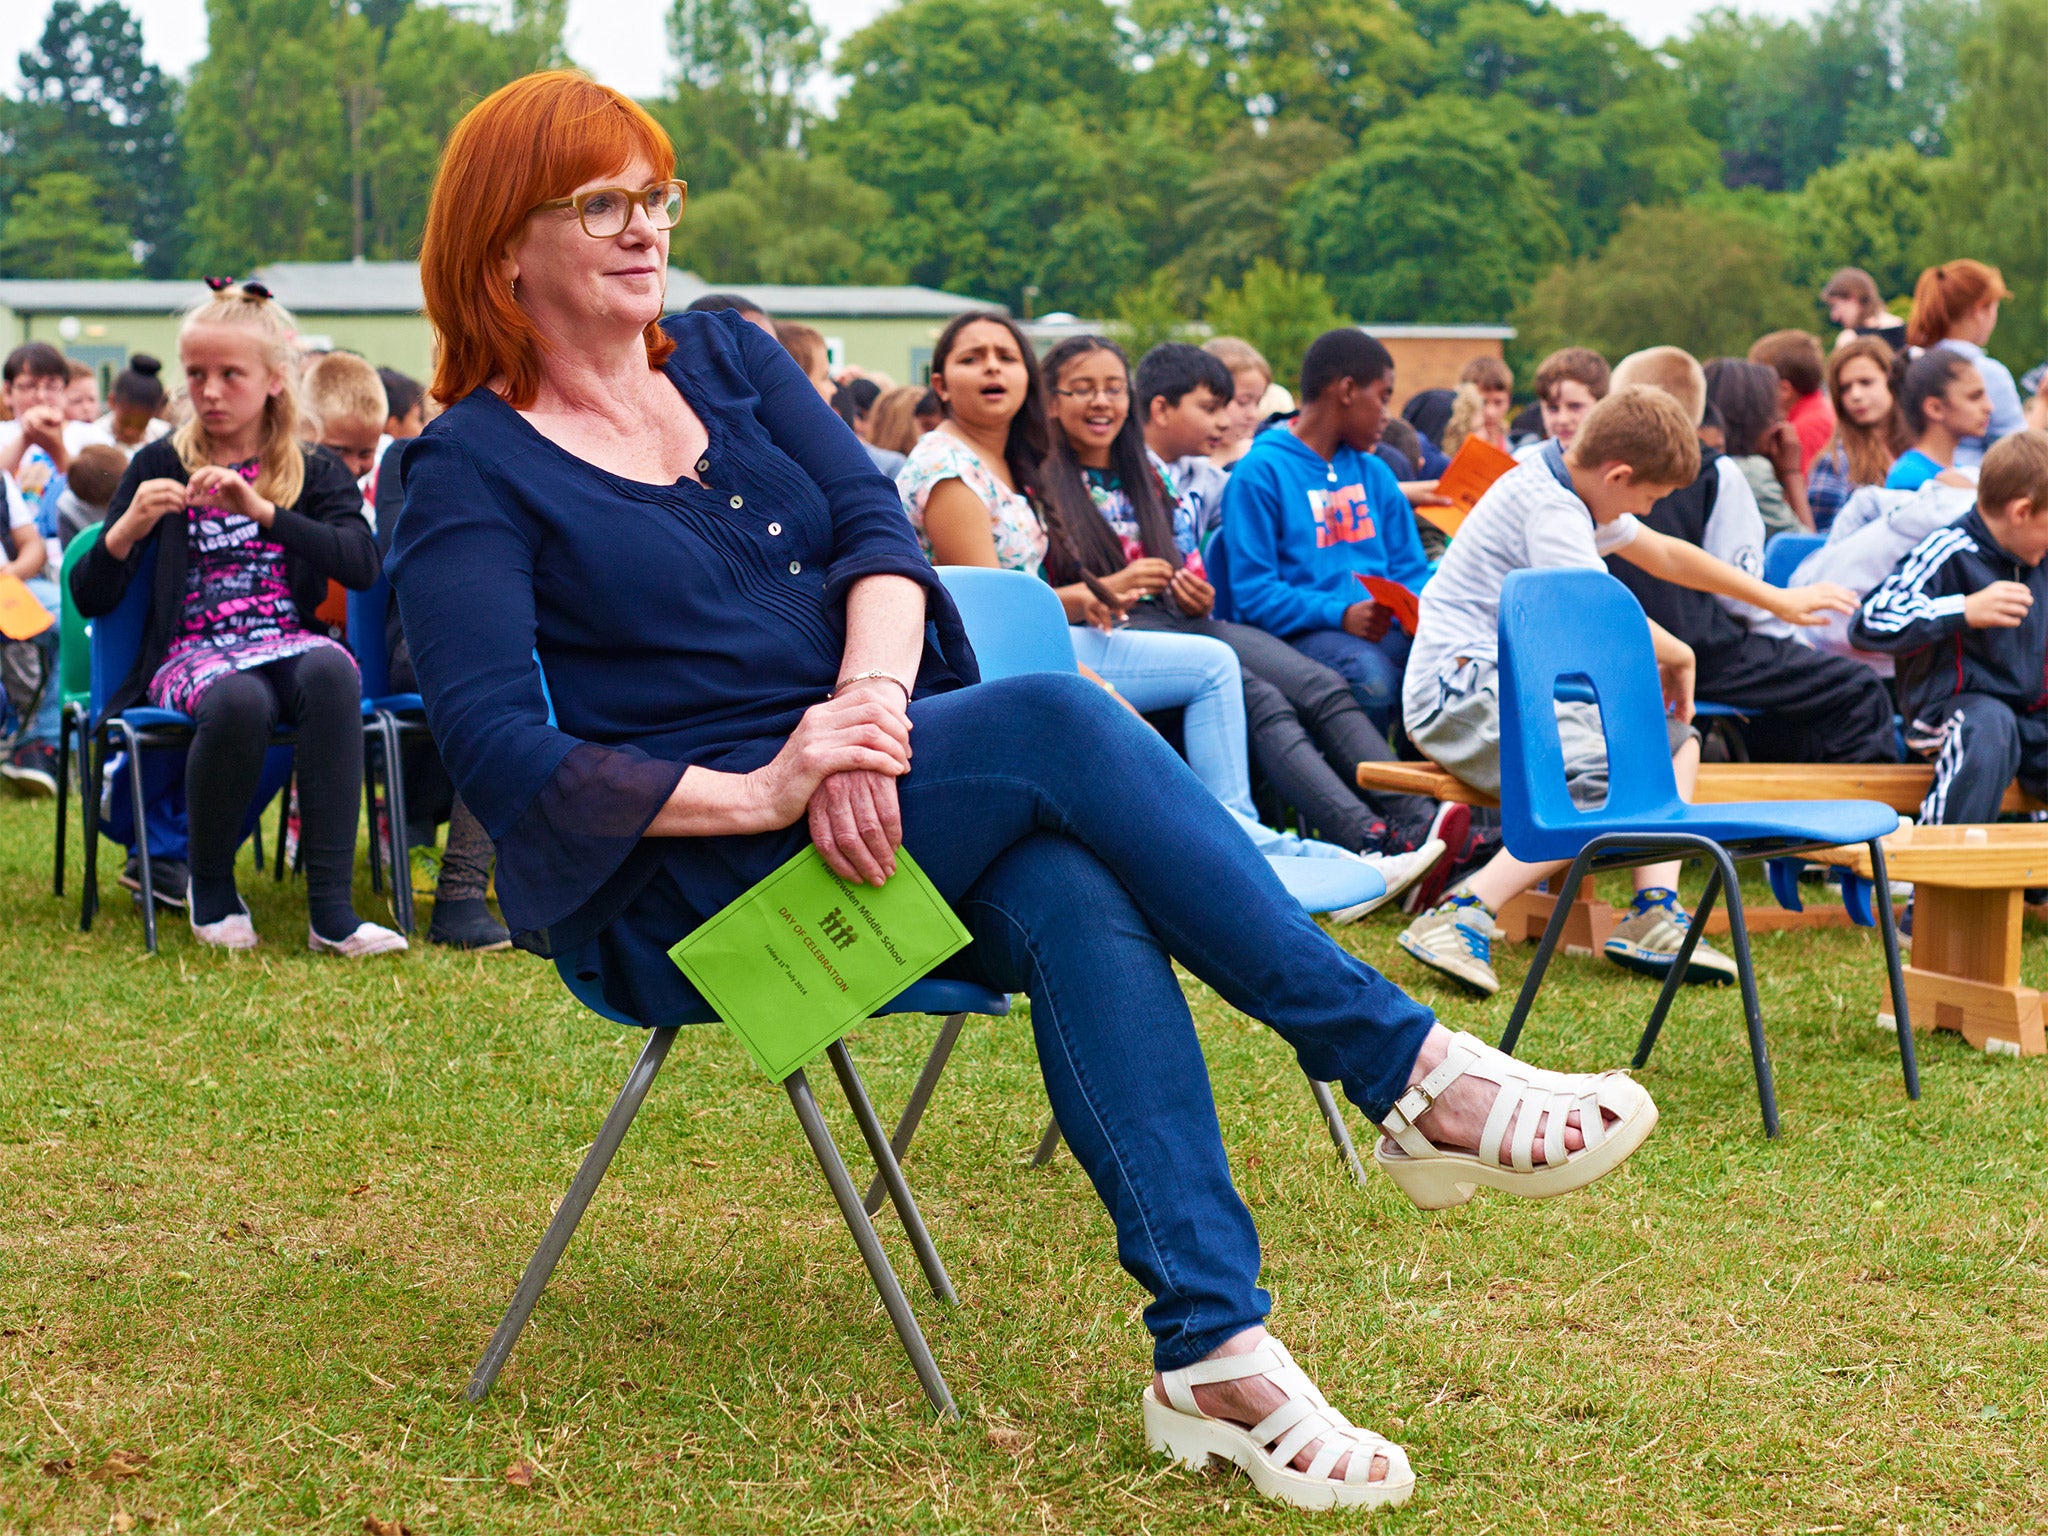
(536, 139)
(1948, 292)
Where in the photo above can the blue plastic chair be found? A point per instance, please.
(393, 717)
(1017, 624)
(116, 643)
(1548, 619)
(1783, 553)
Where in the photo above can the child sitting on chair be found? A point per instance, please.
(1965, 616)
(1568, 508)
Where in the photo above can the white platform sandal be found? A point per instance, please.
(1178, 1428)
(1434, 1178)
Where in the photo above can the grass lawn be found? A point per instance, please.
(259, 1214)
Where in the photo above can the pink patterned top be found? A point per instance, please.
(940, 456)
(238, 612)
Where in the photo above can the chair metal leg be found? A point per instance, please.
(1738, 938)
(142, 859)
(256, 838)
(541, 1266)
(1340, 1133)
(920, 1096)
(89, 830)
(1048, 1144)
(1676, 976)
(395, 816)
(63, 797)
(370, 802)
(891, 1173)
(893, 1300)
(284, 822)
(1909, 1061)
(1567, 894)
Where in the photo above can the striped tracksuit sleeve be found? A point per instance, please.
(1921, 602)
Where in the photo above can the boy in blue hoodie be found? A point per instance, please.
(1309, 509)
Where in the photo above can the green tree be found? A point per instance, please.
(1151, 313)
(437, 63)
(92, 105)
(1278, 311)
(1879, 209)
(266, 121)
(740, 65)
(56, 229)
(1997, 209)
(1347, 63)
(1434, 218)
(785, 219)
(1784, 98)
(1710, 279)
(1001, 133)
(1233, 214)
(1592, 112)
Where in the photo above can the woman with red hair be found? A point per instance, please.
(742, 642)
(1955, 306)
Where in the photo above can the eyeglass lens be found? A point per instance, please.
(607, 212)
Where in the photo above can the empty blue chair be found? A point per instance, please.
(1567, 632)
(1016, 624)
(1783, 553)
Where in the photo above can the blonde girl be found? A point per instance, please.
(247, 525)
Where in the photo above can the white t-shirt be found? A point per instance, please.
(1528, 519)
(102, 431)
(19, 509)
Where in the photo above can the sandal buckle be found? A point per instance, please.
(1409, 1108)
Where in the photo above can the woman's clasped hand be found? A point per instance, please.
(840, 766)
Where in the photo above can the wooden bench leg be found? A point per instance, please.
(1585, 930)
(1966, 970)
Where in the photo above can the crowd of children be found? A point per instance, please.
(1232, 560)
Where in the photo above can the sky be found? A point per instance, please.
(621, 43)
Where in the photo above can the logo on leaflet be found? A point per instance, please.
(1342, 516)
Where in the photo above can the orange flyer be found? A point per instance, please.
(21, 616)
(1475, 466)
(1396, 599)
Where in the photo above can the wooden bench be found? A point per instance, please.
(1968, 885)
(1902, 786)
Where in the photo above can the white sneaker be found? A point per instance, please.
(1399, 870)
(235, 931)
(368, 939)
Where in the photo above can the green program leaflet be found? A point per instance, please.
(804, 956)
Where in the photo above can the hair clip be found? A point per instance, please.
(220, 284)
(254, 290)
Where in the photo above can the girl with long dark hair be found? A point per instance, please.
(1870, 431)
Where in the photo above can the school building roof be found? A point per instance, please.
(393, 288)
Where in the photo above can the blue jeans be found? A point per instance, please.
(1191, 673)
(1372, 667)
(1086, 858)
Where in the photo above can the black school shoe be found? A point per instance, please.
(467, 925)
(168, 880)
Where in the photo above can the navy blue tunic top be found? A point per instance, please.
(676, 625)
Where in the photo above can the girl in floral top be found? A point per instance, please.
(247, 527)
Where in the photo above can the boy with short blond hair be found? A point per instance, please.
(1966, 615)
(345, 398)
(1495, 382)
(1567, 510)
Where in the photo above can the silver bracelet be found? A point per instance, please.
(867, 677)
